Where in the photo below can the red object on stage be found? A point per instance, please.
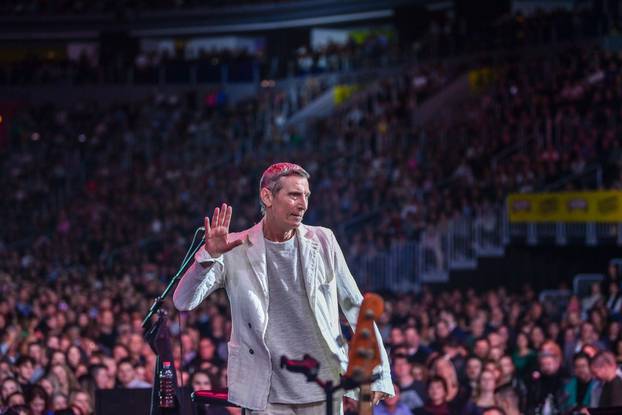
(212, 397)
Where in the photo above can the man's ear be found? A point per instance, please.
(266, 196)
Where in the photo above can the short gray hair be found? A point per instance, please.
(271, 178)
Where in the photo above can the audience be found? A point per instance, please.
(100, 202)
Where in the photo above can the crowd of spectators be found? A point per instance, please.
(100, 203)
(542, 123)
(452, 352)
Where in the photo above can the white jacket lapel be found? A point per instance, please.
(256, 253)
(309, 251)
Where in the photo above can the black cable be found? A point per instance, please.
(183, 265)
(181, 351)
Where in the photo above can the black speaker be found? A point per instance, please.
(122, 401)
(135, 401)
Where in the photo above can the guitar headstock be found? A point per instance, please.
(364, 353)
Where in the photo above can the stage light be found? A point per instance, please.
(35, 136)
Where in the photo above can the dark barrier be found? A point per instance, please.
(134, 401)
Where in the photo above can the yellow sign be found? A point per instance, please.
(481, 78)
(341, 93)
(600, 206)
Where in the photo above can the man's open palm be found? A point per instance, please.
(217, 232)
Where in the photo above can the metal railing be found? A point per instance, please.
(395, 269)
(458, 243)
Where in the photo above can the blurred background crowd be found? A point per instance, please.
(100, 198)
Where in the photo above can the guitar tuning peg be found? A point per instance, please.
(365, 353)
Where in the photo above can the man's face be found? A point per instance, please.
(35, 352)
(587, 331)
(106, 319)
(102, 379)
(201, 382)
(436, 392)
(473, 368)
(481, 349)
(25, 370)
(401, 367)
(396, 337)
(549, 365)
(507, 366)
(81, 400)
(412, 337)
(582, 369)
(206, 349)
(136, 343)
(286, 208)
(604, 373)
(37, 404)
(494, 339)
(8, 388)
(442, 331)
(125, 373)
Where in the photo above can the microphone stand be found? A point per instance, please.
(156, 334)
(309, 367)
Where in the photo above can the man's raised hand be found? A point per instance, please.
(217, 232)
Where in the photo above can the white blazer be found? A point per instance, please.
(242, 272)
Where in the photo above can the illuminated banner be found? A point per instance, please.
(605, 206)
(341, 93)
(481, 78)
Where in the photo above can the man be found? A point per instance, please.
(101, 377)
(417, 353)
(545, 389)
(455, 332)
(38, 355)
(606, 370)
(24, 370)
(509, 379)
(285, 282)
(481, 348)
(126, 372)
(441, 336)
(588, 337)
(473, 369)
(206, 353)
(579, 388)
(108, 334)
(393, 405)
(412, 392)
